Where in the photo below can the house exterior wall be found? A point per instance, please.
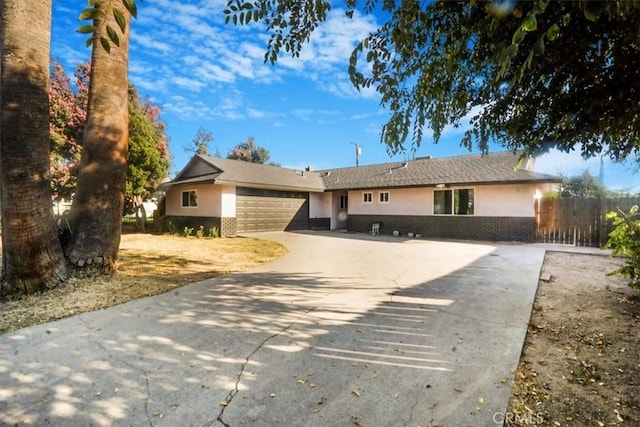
(228, 201)
(505, 200)
(402, 201)
(489, 200)
(216, 208)
(209, 201)
(320, 211)
(501, 213)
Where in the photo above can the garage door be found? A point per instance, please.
(270, 210)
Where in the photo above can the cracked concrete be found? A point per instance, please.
(234, 391)
(345, 328)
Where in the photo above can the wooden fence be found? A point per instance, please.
(577, 221)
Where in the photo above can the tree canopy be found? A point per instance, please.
(200, 143)
(584, 185)
(530, 75)
(249, 152)
(148, 159)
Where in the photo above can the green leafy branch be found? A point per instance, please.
(291, 22)
(95, 15)
(625, 241)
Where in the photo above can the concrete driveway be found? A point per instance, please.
(345, 330)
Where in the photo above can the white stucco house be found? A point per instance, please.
(463, 197)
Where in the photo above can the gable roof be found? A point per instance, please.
(472, 169)
(204, 169)
(492, 168)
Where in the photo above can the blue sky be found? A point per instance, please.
(205, 74)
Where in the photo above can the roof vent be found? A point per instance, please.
(326, 173)
(405, 164)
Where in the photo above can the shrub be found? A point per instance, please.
(214, 232)
(200, 232)
(167, 225)
(625, 241)
(187, 231)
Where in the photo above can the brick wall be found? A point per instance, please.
(520, 229)
(319, 223)
(228, 228)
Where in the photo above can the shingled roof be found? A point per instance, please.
(492, 168)
(204, 169)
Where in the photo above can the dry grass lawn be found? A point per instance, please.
(149, 265)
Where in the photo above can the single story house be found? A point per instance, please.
(473, 197)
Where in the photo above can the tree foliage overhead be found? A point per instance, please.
(249, 152)
(532, 75)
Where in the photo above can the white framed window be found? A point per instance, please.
(460, 201)
(383, 197)
(189, 199)
(367, 197)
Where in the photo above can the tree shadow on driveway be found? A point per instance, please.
(265, 348)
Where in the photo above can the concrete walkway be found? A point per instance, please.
(344, 330)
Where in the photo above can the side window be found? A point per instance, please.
(344, 201)
(367, 197)
(189, 198)
(442, 202)
(463, 200)
(454, 202)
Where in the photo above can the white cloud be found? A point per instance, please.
(150, 44)
(569, 164)
(187, 83)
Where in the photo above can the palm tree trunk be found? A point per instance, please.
(96, 212)
(32, 255)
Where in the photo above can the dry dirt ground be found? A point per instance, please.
(580, 364)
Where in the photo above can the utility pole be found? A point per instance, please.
(358, 152)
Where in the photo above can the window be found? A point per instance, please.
(367, 197)
(189, 198)
(383, 197)
(344, 201)
(453, 202)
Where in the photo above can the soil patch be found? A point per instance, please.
(580, 364)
